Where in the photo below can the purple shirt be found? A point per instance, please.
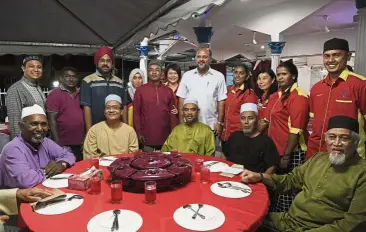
(21, 165)
(70, 116)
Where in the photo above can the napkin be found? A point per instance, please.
(55, 194)
(235, 169)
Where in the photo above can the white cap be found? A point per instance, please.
(190, 100)
(31, 110)
(249, 107)
(113, 97)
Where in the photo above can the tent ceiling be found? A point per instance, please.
(91, 22)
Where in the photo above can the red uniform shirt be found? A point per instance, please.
(235, 98)
(288, 117)
(346, 96)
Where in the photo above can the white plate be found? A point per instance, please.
(214, 218)
(57, 183)
(218, 167)
(228, 192)
(108, 162)
(62, 207)
(129, 221)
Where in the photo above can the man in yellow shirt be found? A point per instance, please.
(111, 137)
(191, 136)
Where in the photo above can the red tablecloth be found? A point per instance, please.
(243, 214)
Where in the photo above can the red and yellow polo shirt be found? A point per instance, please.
(289, 117)
(346, 96)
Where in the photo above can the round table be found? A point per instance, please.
(243, 214)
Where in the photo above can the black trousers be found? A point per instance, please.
(76, 149)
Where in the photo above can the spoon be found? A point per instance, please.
(58, 200)
(229, 185)
(196, 212)
(195, 215)
(115, 225)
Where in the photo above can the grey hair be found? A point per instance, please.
(355, 137)
(203, 48)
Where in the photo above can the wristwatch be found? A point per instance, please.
(221, 123)
(64, 164)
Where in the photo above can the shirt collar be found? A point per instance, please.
(28, 82)
(293, 87)
(208, 72)
(343, 76)
(64, 89)
(27, 144)
(234, 89)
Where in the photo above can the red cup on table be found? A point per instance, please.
(116, 192)
(198, 164)
(94, 161)
(95, 185)
(150, 192)
(205, 175)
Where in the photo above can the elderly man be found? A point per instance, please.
(256, 151)
(97, 86)
(208, 87)
(191, 136)
(112, 136)
(29, 158)
(341, 92)
(65, 116)
(152, 110)
(9, 199)
(25, 92)
(332, 184)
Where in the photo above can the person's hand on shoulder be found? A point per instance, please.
(32, 194)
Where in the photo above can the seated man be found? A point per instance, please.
(256, 151)
(29, 158)
(110, 137)
(191, 136)
(332, 184)
(9, 201)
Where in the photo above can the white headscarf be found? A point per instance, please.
(131, 89)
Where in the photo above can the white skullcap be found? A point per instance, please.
(31, 110)
(190, 100)
(249, 107)
(113, 97)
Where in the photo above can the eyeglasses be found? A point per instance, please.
(342, 138)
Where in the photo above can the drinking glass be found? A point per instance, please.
(150, 192)
(95, 185)
(205, 175)
(94, 161)
(198, 164)
(174, 152)
(116, 192)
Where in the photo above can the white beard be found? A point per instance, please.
(337, 159)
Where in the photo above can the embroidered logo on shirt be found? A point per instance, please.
(345, 93)
(318, 95)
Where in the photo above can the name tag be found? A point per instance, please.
(344, 101)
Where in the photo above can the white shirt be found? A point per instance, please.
(207, 89)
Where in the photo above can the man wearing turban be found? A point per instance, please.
(97, 86)
(332, 184)
(342, 92)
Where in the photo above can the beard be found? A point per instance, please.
(104, 73)
(337, 159)
(202, 67)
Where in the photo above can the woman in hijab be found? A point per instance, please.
(136, 79)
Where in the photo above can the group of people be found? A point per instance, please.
(262, 127)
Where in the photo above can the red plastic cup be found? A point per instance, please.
(95, 185)
(116, 192)
(94, 161)
(150, 192)
(205, 175)
(198, 164)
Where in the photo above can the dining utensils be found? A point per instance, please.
(211, 164)
(61, 178)
(57, 201)
(195, 212)
(195, 215)
(107, 159)
(229, 185)
(115, 225)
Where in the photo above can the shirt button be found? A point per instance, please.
(325, 176)
(318, 186)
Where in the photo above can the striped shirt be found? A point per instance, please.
(22, 93)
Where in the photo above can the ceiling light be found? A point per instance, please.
(262, 47)
(254, 41)
(55, 84)
(326, 29)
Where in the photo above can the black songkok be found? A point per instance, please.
(28, 58)
(336, 44)
(341, 121)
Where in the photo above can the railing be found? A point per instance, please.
(3, 94)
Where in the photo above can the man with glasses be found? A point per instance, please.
(65, 115)
(112, 136)
(332, 184)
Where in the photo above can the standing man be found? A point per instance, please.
(208, 87)
(152, 110)
(65, 115)
(25, 92)
(97, 86)
(341, 93)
